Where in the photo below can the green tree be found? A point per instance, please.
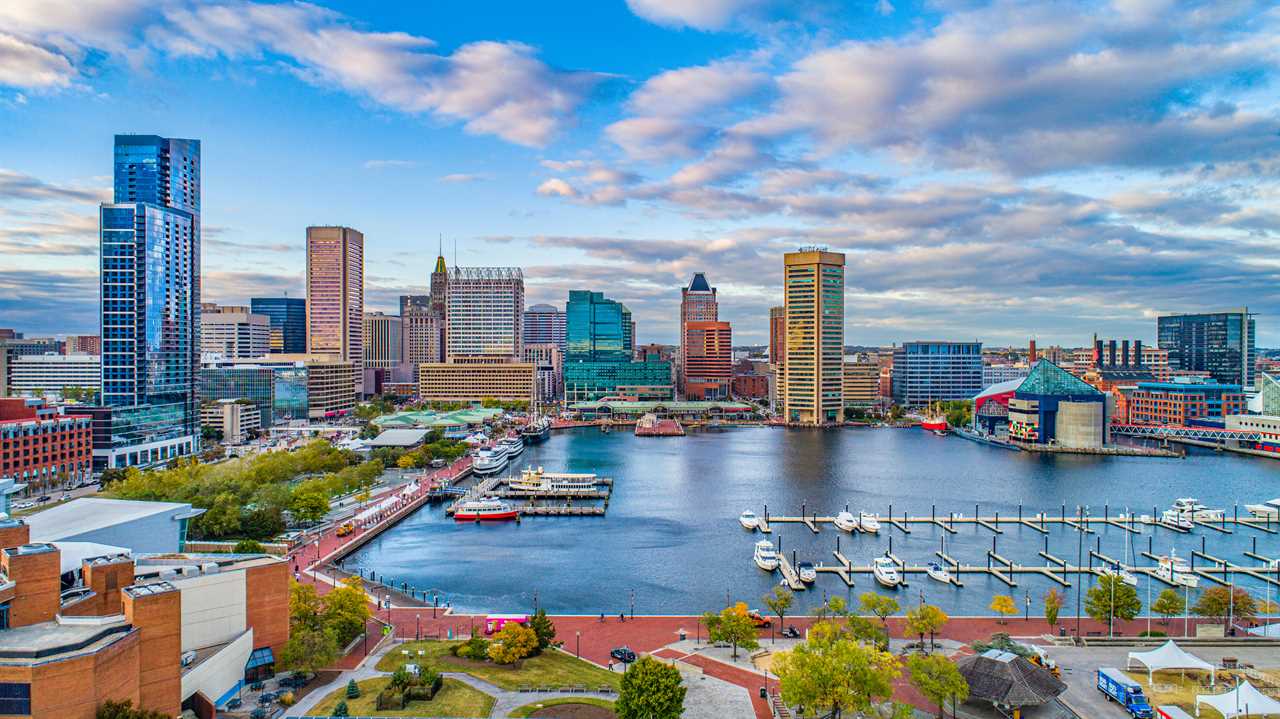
(248, 546)
(1111, 599)
(834, 672)
(732, 625)
(1052, 605)
(1169, 604)
(310, 502)
(346, 610)
(512, 643)
(650, 690)
(222, 519)
(1225, 604)
(1003, 605)
(543, 628)
(879, 605)
(779, 602)
(353, 690)
(926, 619)
(309, 650)
(125, 710)
(938, 679)
(341, 710)
(306, 609)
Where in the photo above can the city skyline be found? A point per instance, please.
(1088, 169)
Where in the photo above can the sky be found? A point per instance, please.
(992, 170)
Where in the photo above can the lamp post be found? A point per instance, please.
(1079, 563)
(577, 646)
(417, 629)
(633, 604)
(1026, 617)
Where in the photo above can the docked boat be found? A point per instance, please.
(935, 421)
(484, 510)
(513, 445)
(1191, 509)
(537, 431)
(886, 572)
(766, 556)
(869, 522)
(939, 573)
(808, 574)
(539, 480)
(1176, 519)
(1175, 570)
(490, 460)
(1118, 571)
(846, 521)
(1269, 509)
(749, 520)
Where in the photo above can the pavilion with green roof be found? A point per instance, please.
(1053, 406)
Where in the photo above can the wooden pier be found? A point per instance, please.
(789, 574)
(500, 487)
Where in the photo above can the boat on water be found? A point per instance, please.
(1190, 508)
(1268, 509)
(540, 480)
(1176, 519)
(808, 574)
(537, 431)
(869, 522)
(484, 510)
(939, 573)
(490, 460)
(766, 555)
(846, 521)
(886, 572)
(1119, 571)
(513, 445)
(749, 520)
(935, 421)
(1175, 570)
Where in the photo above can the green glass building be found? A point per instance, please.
(600, 344)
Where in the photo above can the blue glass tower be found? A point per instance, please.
(150, 301)
(601, 341)
(288, 322)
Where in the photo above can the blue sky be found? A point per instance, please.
(996, 171)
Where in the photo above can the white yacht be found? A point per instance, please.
(489, 460)
(808, 574)
(886, 572)
(749, 520)
(1268, 509)
(532, 480)
(766, 556)
(1176, 570)
(1119, 571)
(938, 572)
(513, 445)
(1175, 519)
(1191, 509)
(869, 522)
(846, 521)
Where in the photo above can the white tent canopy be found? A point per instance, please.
(1238, 701)
(1169, 656)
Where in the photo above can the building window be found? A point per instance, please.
(15, 699)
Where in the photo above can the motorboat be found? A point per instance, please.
(1175, 519)
(749, 520)
(1191, 509)
(513, 445)
(539, 480)
(489, 460)
(938, 572)
(846, 521)
(1175, 570)
(1269, 509)
(886, 572)
(808, 574)
(484, 510)
(869, 522)
(537, 431)
(1119, 571)
(766, 556)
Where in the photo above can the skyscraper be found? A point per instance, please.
(601, 342)
(544, 324)
(1220, 343)
(288, 316)
(484, 314)
(233, 333)
(812, 375)
(383, 340)
(707, 364)
(335, 292)
(777, 335)
(149, 265)
(697, 304)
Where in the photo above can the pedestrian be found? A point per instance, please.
(610, 665)
(602, 617)
(622, 617)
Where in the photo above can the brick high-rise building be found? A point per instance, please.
(697, 304)
(707, 368)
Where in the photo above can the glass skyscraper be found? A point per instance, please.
(1219, 343)
(288, 322)
(601, 342)
(149, 265)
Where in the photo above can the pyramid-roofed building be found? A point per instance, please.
(1053, 406)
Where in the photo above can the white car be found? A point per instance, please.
(24, 505)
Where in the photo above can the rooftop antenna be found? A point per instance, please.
(440, 246)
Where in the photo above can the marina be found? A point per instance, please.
(539, 487)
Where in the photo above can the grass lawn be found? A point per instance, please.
(528, 709)
(1171, 688)
(455, 699)
(552, 668)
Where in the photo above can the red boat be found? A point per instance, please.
(484, 510)
(935, 424)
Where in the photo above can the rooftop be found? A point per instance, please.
(1048, 379)
(399, 438)
(430, 419)
(37, 643)
(691, 406)
(88, 514)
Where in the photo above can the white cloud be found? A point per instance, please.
(692, 90)
(556, 187)
(700, 14)
(464, 177)
(388, 164)
(26, 65)
(658, 138)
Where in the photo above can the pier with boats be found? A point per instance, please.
(539, 488)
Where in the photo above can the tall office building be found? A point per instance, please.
(601, 344)
(439, 298)
(335, 292)
(1219, 343)
(707, 366)
(232, 333)
(812, 375)
(697, 304)
(925, 372)
(484, 313)
(150, 301)
(288, 318)
(544, 324)
(777, 335)
(423, 335)
(383, 340)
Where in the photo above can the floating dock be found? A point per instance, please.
(500, 487)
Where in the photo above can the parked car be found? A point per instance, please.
(65, 496)
(44, 498)
(23, 505)
(623, 654)
(758, 620)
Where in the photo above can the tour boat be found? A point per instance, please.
(490, 460)
(1118, 571)
(484, 510)
(1190, 508)
(513, 445)
(938, 572)
(1175, 570)
(869, 522)
(537, 431)
(808, 574)
(846, 521)
(886, 572)
(1268, 509)
(766, 556)
(748, 520)
(536, 480)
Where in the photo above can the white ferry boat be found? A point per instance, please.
(749, 520)
(886, 572)
(513, 445)
(1176, 570)
(807, 572)
(766, 556)
(846, 521)
(1268, 509)
(489, 460)
(482, 510)
(869, 522)
(939, 573)
(1191, 509)
(533, 480)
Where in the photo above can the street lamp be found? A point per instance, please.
(633, 604)
(417, 630)
(1027, 615)
(577, 648)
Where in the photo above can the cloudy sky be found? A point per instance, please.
(991, 170)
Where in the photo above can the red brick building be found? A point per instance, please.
(1174, 403)
(707, 369)
(751, 386)
(42, 447)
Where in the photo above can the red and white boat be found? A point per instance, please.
(936, 424)
(484, 510)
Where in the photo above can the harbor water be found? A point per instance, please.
(672, 540)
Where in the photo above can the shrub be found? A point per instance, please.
(513, 643)
(248, 546)
(353, 690)
(473, 648)
(390, 699)
(1152, 633)
(286, 699)
(341, 709)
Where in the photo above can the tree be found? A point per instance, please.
(779, 602)
(248, 546)
(879, 605)
(926, 619)
(1224, 603)
(346, 610)
(650, 690)
(353, 690)
(1003, 605)
(938, 680)
(305, 607)
(340, 710)
(309, 650)
(543, 628)
(1169, 604)
(512, 643)
(310, 502)
(406, 461)
(732, 625)
(1052, 605)
(832, 671)
(1112, 599)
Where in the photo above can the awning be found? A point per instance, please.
(1239, 701)
(260, 658)
(1170, 656)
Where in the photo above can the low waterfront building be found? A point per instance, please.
(456, 420)
(42, 446)
(861, 382)
(474, 381)
(235, 419)
(1052, 406)
(1177, 402)
(586, 381)
(628, 410)
(998, 373)
(284, 387)
(46, 375)
(991, 408)
(926, 372)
